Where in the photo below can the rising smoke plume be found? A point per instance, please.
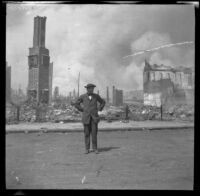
(93, 39)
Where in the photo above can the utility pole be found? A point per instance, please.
(78, 82)
(107, 94)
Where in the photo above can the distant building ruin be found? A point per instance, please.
(164, 84)
(117, 97)
(40, 68)
(56, 93)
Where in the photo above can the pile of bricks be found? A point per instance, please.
(32, 112)
(142, 112)
(180, 111)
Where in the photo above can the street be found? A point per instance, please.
(127, 160)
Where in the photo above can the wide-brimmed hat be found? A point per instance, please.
(90, 85)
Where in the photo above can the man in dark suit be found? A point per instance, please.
(87, 103)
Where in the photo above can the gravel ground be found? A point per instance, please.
(127, 160)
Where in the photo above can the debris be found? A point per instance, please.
(183, 116)
(65, 112)
(143, 112)
(17, 179)
(83, 180)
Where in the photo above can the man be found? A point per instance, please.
(87, 103)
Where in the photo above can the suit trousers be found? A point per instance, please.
(91, 129)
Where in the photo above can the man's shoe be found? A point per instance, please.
(87, 151)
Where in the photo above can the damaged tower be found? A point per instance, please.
(40, 68)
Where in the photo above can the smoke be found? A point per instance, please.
(93, 39)
(158, 48)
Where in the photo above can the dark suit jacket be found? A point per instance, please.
(89, 107)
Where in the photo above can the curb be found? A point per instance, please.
(100, 130)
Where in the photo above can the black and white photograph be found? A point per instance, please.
(99, 96)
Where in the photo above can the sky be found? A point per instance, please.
(93, 39)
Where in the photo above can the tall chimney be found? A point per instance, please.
(107, 94)
(113, 95)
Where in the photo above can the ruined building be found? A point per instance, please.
(166, 85)
(8, 83)
(117, 97)
(40, 68)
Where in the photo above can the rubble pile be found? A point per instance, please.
(111, 113)
(143, 112)
(49, 113)
(10, 114)
(180, 111)
(27, 112)
(176, 112)
(140, 112)
(70, 114)
(32, 112)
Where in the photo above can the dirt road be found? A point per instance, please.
(127, 160)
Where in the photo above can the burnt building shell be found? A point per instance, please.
(162, 83)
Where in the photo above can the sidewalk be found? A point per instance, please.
(103, 126)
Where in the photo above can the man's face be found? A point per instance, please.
(90, 90)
